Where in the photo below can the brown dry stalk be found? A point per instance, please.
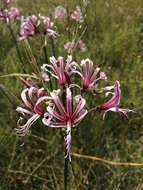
(108, 162)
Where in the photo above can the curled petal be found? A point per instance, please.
(24, 129)
(58, 103)
(38, 108)
(32, 91)
(108, 88)
(79, 108)
(23, 111)
(48, 122)
(82, 114)
(25, 99)
(125, 111)
(69, 59)
(69, 101)
(55, 114)
(119, 110)
(115, 100)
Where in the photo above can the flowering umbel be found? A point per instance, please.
(77, 14)
(63, 108)
(11, 14)
(70, 46)
(65, 114)
(60, 69)
(31, 25)
(59, 12)
(89, 75)
(32, 98)
(28, 26)
(113, 103)
(48, 27)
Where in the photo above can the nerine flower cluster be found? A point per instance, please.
(62, 107)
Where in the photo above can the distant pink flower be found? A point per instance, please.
(28, 27)
(113, 103)
(60, 69)
(9, 14)
(77, 15)
(67, 114)
(4, 15)
(82, 46)
(69, 46)
(32, 98)
(49, 27)
(44, 76)
(7, 1)
(60, 12)
(14, 13)
(89, 75)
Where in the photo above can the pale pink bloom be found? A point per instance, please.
(9, 14)
(4, 15)
(82, 46)
(69, 46)
(28, 26)
(89, 75)
(60, 69)
(14, 13)
(49, 27)
(33, 108)
(77, 15)
(44, 76)
(113, 103)
(59, 12)
(66, 113)
(7, 1)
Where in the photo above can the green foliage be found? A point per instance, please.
(114, 39)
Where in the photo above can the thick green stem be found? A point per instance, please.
(45, 53)
(53, 47)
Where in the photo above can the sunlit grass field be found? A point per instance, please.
(114, 40)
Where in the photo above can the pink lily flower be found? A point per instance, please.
(7, 1)
(113, 103)
(66, 114)
(59, 12)
(89, 75)
(28, 26)
(44, 77)
(4, 15)
(32, 98)
(69, 46)
(14, 13)
(48, 27)
(60, 70)
(77, 15)
(9, 14)
(82, 46)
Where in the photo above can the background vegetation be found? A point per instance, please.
(114, 38)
